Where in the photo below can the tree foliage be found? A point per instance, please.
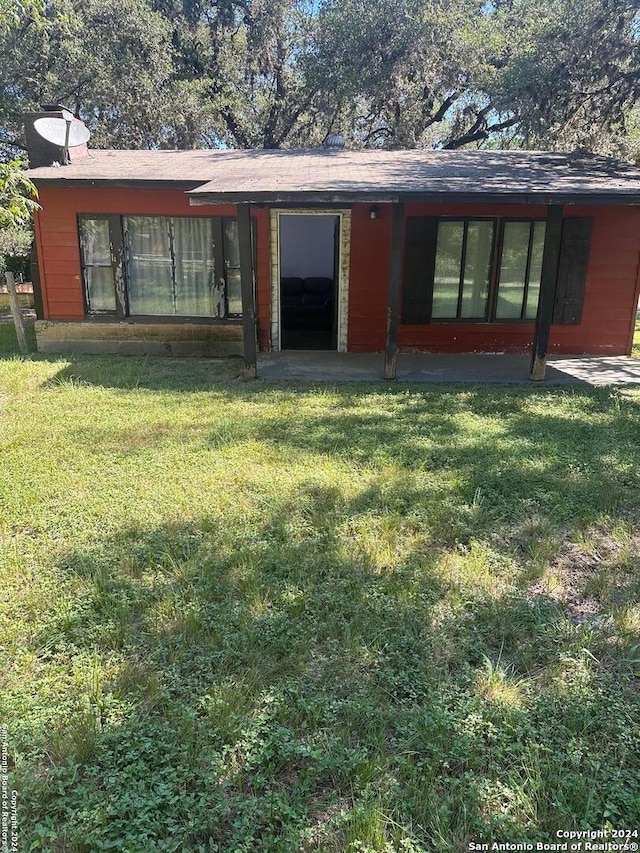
(574, 75)
(17, 192)
(12, 12)
(17, 204)
(284, 73)
(108, 60)
(17, 196)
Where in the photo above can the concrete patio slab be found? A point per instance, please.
(471, 368)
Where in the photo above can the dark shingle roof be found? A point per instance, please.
(344, 175)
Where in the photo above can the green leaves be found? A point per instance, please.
(17, 195)
(13, 11)
(573, 72)
(251, 73)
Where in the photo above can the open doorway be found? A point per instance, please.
(309, 280)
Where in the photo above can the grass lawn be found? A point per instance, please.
(262, 617)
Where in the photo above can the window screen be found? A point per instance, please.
(149, 265)
(232, 264)
(171, 267)
(195, 267)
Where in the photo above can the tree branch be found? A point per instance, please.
(476, 135)
(442, 110)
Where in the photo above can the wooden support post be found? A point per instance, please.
(393, 290)
(548, 280)
(36, 282)
(16, 312)
(247, 291)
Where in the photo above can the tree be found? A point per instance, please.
(17, 196)
(284, 73)
(11, 11)
(17, 204)
(245, 58)
(572, 74)
(544, 73)
(109, 61)
(405, 73)
(17, 192)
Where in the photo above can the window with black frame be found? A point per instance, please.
(172, 266)
(462, 269)
(472, 269)
(97, 264)
(520, 270)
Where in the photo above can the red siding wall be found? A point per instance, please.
(368, 278)
(610, 298)
(263, 277)
(59, 252)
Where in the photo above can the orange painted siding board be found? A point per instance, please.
(63, 233)
(60, 238)
(61, 267)
(60, 253)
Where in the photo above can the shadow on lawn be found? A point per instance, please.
(566, 461)
(568, 465)
(200, 374)
(153, 373)
(281, 688)
(330, 674)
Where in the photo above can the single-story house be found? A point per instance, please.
(218, 252)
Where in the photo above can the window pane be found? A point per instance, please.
(149, 265)
(232, 264)
(101, 295)
(513, 268)
(234, 296)
(447, 272)
(231, 245)
(477, 269)
(94, 236)
(193, 247)
(536, 269)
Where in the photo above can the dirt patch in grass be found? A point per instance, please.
(567, 581)
(587, 580)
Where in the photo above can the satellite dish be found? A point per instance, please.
(60, 132)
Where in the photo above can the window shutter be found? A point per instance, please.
(572, 270)
(419, 265)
